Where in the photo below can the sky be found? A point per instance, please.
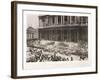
(32, 20)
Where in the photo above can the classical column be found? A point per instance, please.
(57, 19)
(61, 34)
(51, 20)
(48, 21)
(77, 36)
(81, 20)
(61, 20)
(50, 35)
(70, 17)
(56, 34)
(69, 35)
(75, 20)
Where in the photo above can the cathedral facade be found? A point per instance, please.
(63, 28)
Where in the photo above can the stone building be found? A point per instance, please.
(63, 28)
(32, 35)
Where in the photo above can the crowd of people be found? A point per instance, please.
(56, 52)
(40, 55)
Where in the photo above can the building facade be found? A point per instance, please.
(63, 28)
(32, 35)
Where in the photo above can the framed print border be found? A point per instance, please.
(14, 38)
